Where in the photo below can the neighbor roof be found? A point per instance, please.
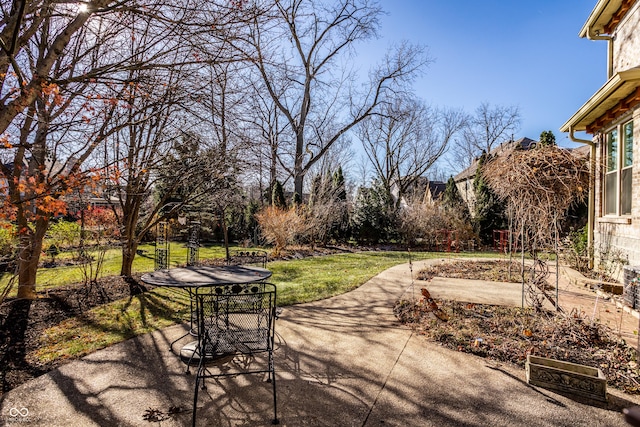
(504, 148)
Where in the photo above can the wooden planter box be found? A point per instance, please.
(565, 377)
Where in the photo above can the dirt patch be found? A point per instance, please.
(495, 271)
(508, 334)
(22, 323)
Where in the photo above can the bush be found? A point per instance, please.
(421, 224)
(102, 222)
(374, 216)
(280, 226)
(63, 234)
(574, 250)
(8, 241)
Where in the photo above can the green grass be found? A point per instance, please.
(315, 278)
(297, 281)
(48, 278)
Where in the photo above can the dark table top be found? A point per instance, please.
(195, 276)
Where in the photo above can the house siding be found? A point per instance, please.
(614, 237)
(465, 188)
(626, 44)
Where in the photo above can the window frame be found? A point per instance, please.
(618, 170)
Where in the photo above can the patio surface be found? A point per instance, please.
(344, 361)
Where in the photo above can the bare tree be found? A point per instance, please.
(298, 48)
(270, 128)
(405, 139)
(488, 127)
(61, 74)
(48, 121)
(133, 155)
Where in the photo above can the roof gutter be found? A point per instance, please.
(591, 211)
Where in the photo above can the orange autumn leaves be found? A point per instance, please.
(39, 197)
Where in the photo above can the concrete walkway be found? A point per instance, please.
(344, 361)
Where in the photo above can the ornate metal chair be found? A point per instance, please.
(233, 320)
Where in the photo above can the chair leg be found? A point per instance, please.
(188, 371)
(272, 375)
(176, 340)
(275, 403)
(195, 403)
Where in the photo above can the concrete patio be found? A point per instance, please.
(344, 361)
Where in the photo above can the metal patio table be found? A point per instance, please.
(192, 277)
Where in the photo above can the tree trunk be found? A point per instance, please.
(298, 173)
(129, 241)
(29, 257)
(128, 255)
(225, 235)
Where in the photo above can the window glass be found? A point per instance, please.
(612, 150)
(610, 193)
(627, 132)
(625, 192)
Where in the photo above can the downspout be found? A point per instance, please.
(609, 40)
(592, 154)
(591, 211)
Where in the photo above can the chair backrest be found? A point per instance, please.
(249, 257)
(235, 318)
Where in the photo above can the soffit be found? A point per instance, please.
(600, 16)
(615, 90)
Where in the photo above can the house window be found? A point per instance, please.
(619, 163)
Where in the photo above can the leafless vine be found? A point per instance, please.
(539, 186)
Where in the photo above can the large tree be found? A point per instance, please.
(54, 57)
(299, 49)
(489, 126)
(63, 76)
(404, 140)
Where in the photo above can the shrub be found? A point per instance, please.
(8, 241)
(574, 250)
(63, 234)
(102, 222)
(421, 224)
(374, 216)
(280, 226)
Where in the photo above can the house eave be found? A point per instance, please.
(617, 88)
(599, 17)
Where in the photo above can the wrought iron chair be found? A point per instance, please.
(233, 320)
(259, 257)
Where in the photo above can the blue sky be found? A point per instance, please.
(524, 53)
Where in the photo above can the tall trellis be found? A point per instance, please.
(539, 186)
(193, 245)
(162, 246)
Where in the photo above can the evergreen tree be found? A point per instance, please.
(340, 227)
(277, 196)
(339, 185)
(296, 200)
(547, 138)
(373, 221)
(453, 201)
(489, 210)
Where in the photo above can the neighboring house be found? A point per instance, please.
(464, 180)
(421, 191)
(434, 191)
(612, 116)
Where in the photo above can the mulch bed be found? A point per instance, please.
(22, 322)
(508, 334)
